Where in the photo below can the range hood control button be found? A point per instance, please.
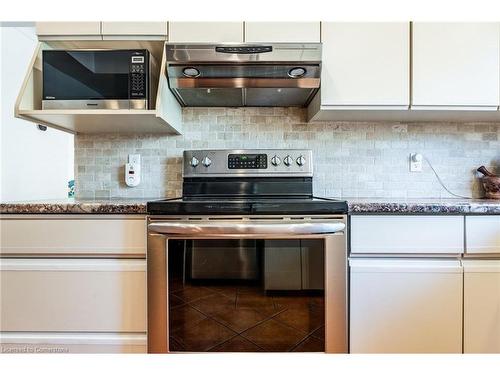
(301, 160)
(275, 160)
(206, 161)
(287, 161)
(194, 162)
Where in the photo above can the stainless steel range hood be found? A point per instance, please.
(237, 75)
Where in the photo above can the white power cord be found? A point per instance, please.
(441, 181)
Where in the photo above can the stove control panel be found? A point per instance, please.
(248, 163)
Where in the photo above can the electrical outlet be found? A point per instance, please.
(134, 159)
(133, 170)
(416, 162)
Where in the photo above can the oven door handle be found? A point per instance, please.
(207, 229)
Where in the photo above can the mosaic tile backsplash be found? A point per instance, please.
(351, 159)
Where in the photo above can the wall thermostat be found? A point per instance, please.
(133, 170)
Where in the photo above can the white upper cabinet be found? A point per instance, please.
(365, 65)
(69, 30)
(456, 65)
(101, 30)
(121, 30)
(282, 32)
(164, 115)
(205, 32)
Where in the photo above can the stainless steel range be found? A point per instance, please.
(248, 259)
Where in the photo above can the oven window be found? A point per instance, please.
(73, 75)
(246, 295)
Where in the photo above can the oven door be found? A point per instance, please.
(247, 284)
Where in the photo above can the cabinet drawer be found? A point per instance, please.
(402, 234)
(482, 234)
(104, 236)
(57, 295)
(74, 342)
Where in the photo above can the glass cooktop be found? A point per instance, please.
(247, 206)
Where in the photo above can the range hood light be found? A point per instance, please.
(296, 72)
(279, 90)
(191, 72)
(209, 91)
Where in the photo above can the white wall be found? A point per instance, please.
(34, 164)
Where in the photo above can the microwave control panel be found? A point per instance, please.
(138, 79)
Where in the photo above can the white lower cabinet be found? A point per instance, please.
(407, 234)
(57, 342)
(73, 284)
(406, 306)
(483, 235)
(481, 306)
(73, 295)
(73, 235)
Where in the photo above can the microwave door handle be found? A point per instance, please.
(231, 228)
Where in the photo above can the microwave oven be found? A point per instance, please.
(98, 79)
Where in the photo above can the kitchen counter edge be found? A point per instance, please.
(356, 206)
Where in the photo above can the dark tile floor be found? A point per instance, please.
(243, 319)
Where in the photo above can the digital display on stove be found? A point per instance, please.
(247, 161)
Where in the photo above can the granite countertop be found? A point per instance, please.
(77, 206)
(423, 206)
(356, 206)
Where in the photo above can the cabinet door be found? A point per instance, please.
(456, 65)
(73, 295)
(405, 306)
(126, 30)
(404, 234)
(68, 30)
(282, 265)
(482, 234)
(481, 306)
(282, 32)
(209, 32)
(63, 235)
(365, 65)
(72, 342)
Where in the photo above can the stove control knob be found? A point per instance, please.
(194, 162)
(206, 161)
(287, 160)
(301, 160)
(275, 160)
